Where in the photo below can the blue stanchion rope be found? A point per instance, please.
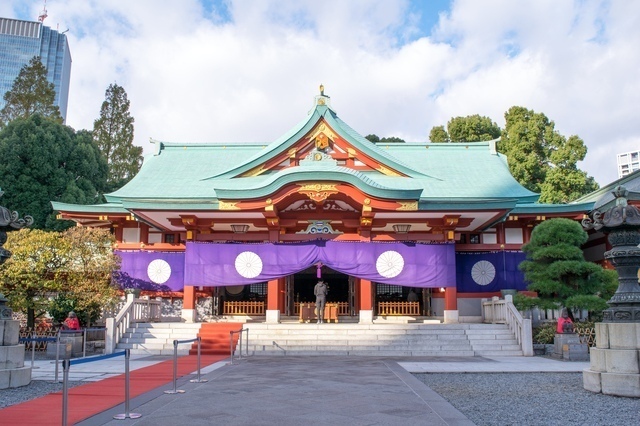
(97, 358)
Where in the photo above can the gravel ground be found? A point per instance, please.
(531, 399)
(35, 389)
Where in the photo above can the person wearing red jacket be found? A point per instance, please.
(71, 323)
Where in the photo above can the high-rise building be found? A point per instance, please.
(22, 40)
(628, 162)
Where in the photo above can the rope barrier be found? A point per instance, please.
(175, 390)
(97, 358)
(66, 365)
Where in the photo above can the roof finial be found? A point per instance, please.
(321, 89)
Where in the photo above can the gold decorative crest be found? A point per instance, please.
(225, 205)
(318, 192)
(408, 206)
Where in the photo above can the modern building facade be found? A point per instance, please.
(253, 226)
(22, 40)
(628, 162)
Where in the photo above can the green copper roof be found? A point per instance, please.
(445, 175)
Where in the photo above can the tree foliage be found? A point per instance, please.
(543, 160)
(44, 161)
(556, 269)
(473, 128)
(439, 134)
(30, 94)
(539, 157)
(376, 138)
(33, 272)
(75, 265)
(113, 132)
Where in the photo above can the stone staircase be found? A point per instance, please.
(382, 339)
(334, 339)
(157, 338)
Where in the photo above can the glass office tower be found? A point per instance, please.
(22, 40)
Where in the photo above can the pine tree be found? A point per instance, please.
(113, 132)
(31, 93)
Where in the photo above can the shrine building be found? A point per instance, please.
(254, 226)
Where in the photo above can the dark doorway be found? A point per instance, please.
(304, 282)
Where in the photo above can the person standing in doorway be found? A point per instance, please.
(320, 291)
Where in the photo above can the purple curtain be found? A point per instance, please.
(158, 271)
(416, 265)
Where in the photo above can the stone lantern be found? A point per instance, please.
(13, 372)
(614, 362)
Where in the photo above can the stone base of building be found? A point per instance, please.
(189, 315)
(615, 361)
(366, 317)
(451, 317)
(272, 316)
(568, 347)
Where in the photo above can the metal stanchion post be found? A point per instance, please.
(65, 389)
(175, 370)
(198, 380)
(231, 345)
(247, 343)
(33, 348)
(58, 355)
(84, 343)
(126, 414)
(240, 344)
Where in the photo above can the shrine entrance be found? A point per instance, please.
(341, 289)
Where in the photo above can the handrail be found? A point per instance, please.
(497, 311)
(134, 310)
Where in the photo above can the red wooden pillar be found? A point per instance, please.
(275, 300)
(189, 313)
(365, 300)
(273, 295)
(450, 305)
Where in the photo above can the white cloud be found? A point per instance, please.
(194, 77)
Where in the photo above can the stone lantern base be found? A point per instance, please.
(13, 373)
(615, 361)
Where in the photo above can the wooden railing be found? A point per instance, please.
(398, 308)
(243, 308)
(499, 311)
(343, 308)
(134, 310)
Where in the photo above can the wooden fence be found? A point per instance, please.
(398, 308)
(243, 308)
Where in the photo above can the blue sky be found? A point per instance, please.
(227, 71)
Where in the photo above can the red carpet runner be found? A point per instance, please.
(93, 398)
(215, 338)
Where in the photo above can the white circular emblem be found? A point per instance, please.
(483, 272)
(159, 271)
(390, 264)
(248, 264)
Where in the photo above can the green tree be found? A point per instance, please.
(392, 139)
(88, 283)
(44, 161)
(30, 94)
(55, 271)
(376, 138)
(439, 134)
(543, 160)
(472, 128)
(113, 132)
(33, 272)
(556, 269)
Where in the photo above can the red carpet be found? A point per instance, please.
(215, 338)
(88, 400)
